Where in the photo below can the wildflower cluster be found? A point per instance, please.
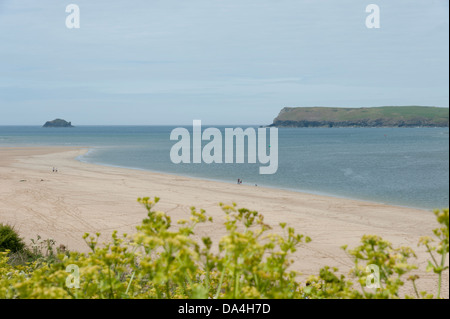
(250, 261)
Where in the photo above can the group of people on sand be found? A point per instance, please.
(55, 170)
(239, 181)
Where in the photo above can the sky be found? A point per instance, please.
(167, 62)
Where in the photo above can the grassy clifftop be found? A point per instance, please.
(388, 116)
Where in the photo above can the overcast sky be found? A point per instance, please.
(224, 62)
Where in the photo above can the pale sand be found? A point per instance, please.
(92, 198)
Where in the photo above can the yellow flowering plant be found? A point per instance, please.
(250, 261)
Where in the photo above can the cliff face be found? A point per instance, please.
(399, 116)
(57, 123)
(361, 123)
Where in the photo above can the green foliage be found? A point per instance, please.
(371, 116)
(391, 262)
(441, 235)
(10, 240)
(166, 261)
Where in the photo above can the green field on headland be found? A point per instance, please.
(384, 116)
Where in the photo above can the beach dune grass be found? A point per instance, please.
(10, 239)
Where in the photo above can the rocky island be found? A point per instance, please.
(383, 116)
(58, 123)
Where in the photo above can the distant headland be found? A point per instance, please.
(58, 123)
(383, 116)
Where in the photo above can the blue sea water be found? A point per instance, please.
(400, 166)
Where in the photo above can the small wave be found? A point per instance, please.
(82, 158)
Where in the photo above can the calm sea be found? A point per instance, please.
(401, 166)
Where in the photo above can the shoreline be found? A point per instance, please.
(86, 197)
(199, 178)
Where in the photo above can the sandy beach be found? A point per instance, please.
(91, 198)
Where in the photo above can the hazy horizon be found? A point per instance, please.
(184, 124)
(226, 63)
